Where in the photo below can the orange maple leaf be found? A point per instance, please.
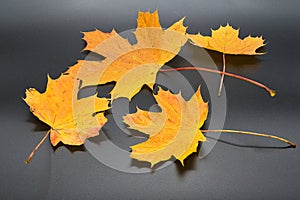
(226, 40)
(71, 119)
(173, 132)
(132, 66)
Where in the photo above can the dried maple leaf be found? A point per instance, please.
(226, 40)
(71, 119)
(132, 66)
(173, 132)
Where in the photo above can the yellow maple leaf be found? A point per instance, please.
(71, 119)
(226, 40)
(132, 66)
(173, 132)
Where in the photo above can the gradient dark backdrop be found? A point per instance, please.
(40, 37)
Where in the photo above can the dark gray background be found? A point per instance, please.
(40, 37)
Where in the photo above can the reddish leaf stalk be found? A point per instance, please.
(36, 148)
(292, 144)
(270, 91)
(223, 74)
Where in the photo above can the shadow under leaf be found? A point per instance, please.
(39, 125)
(236, 63)
(189, 163)
(71, 148)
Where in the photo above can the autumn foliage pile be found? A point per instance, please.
(175, 131)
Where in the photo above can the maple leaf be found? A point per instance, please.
(173, 132)
(132, 66)
(226, 40)
(71, 119)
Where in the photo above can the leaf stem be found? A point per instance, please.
(254, 134)
(270, 91)
(223, 74)
(36, 148)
